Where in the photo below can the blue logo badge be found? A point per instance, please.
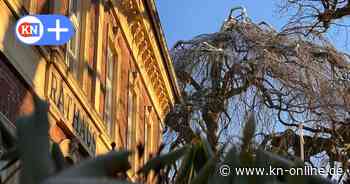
(44, 29)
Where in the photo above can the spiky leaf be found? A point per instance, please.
(206, 172)
(57, 157)
(101, 166)
(161, 161)
(83, 180)
(33, 144)
(185, 167)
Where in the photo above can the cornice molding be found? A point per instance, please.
(135, 24)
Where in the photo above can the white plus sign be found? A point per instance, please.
(57, 30)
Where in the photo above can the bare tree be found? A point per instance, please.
(283, 78)
(314, 16)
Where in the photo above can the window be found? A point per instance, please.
(60, 7)
(73, 7)
(108, 110)
(132, 120)
(72, 53)
(132, 105)
(37, 6)
(155, 137)
(108, 77)
(43, 7)
(148, 133)
(27, 5)
(91, 68)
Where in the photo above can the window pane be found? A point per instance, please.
(132, 113)
(91, 52)
(74, 7)
(109, 90)
(89, 84)
(146, 138)
(43, 7)
(102, 100)
(132, 126)
(72, 44)
(26, 4)
(149, 138)
(73, 65)
(133, 129)
(110, 64)
(108, 112)
(130, 102)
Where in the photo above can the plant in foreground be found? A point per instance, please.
(198, 162)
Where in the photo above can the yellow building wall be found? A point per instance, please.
(139, 53)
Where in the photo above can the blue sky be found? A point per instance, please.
(184, 19)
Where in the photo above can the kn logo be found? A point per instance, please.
(29, 29)
(44, 29)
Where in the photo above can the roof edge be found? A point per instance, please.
(156, 24)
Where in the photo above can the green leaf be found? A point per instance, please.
(205, 172)
(83, 180)
(297, 179)
(57, 157)
(207, 148)
(33, 144)
(8, 134)
(318, 180)
(200, 156)
(232, 160)
(100, 166)
(185, 167)
(276, 160)
(161, 161)
(11, 154)
(8, 164)
(262, 161)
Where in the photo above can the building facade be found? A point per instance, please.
(112, 83)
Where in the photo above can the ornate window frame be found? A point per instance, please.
(133, 111)
(73, 51)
